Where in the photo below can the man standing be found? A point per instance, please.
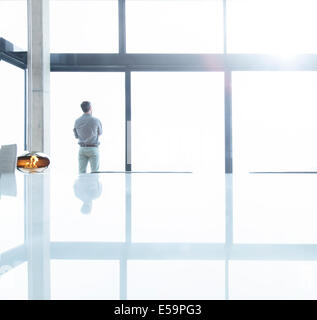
(87, 130)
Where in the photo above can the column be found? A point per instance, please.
(38, 107)
(37, 186)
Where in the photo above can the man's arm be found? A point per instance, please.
(99, 129)
(75, 133)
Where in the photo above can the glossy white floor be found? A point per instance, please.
(158, 236)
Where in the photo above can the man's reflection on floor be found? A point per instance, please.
(87, 188)
(8, 185)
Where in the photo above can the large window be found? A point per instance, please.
(105, 91)
(84, 26)
(174, 26)
(274, 121)
(271, 26)
(13, 22)
(178, 121)
(12, 104)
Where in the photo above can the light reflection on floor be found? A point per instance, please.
(158, 236)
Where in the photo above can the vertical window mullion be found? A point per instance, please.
(122, 27)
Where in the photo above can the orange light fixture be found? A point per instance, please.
(31, 162)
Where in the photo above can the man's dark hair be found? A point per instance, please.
(85, 105)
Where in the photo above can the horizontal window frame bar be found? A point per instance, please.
(81, 62)
(12, 54)
(17, 59)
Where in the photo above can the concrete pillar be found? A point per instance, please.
(38, 109)
(37, 193)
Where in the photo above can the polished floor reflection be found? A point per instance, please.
(158, 236)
